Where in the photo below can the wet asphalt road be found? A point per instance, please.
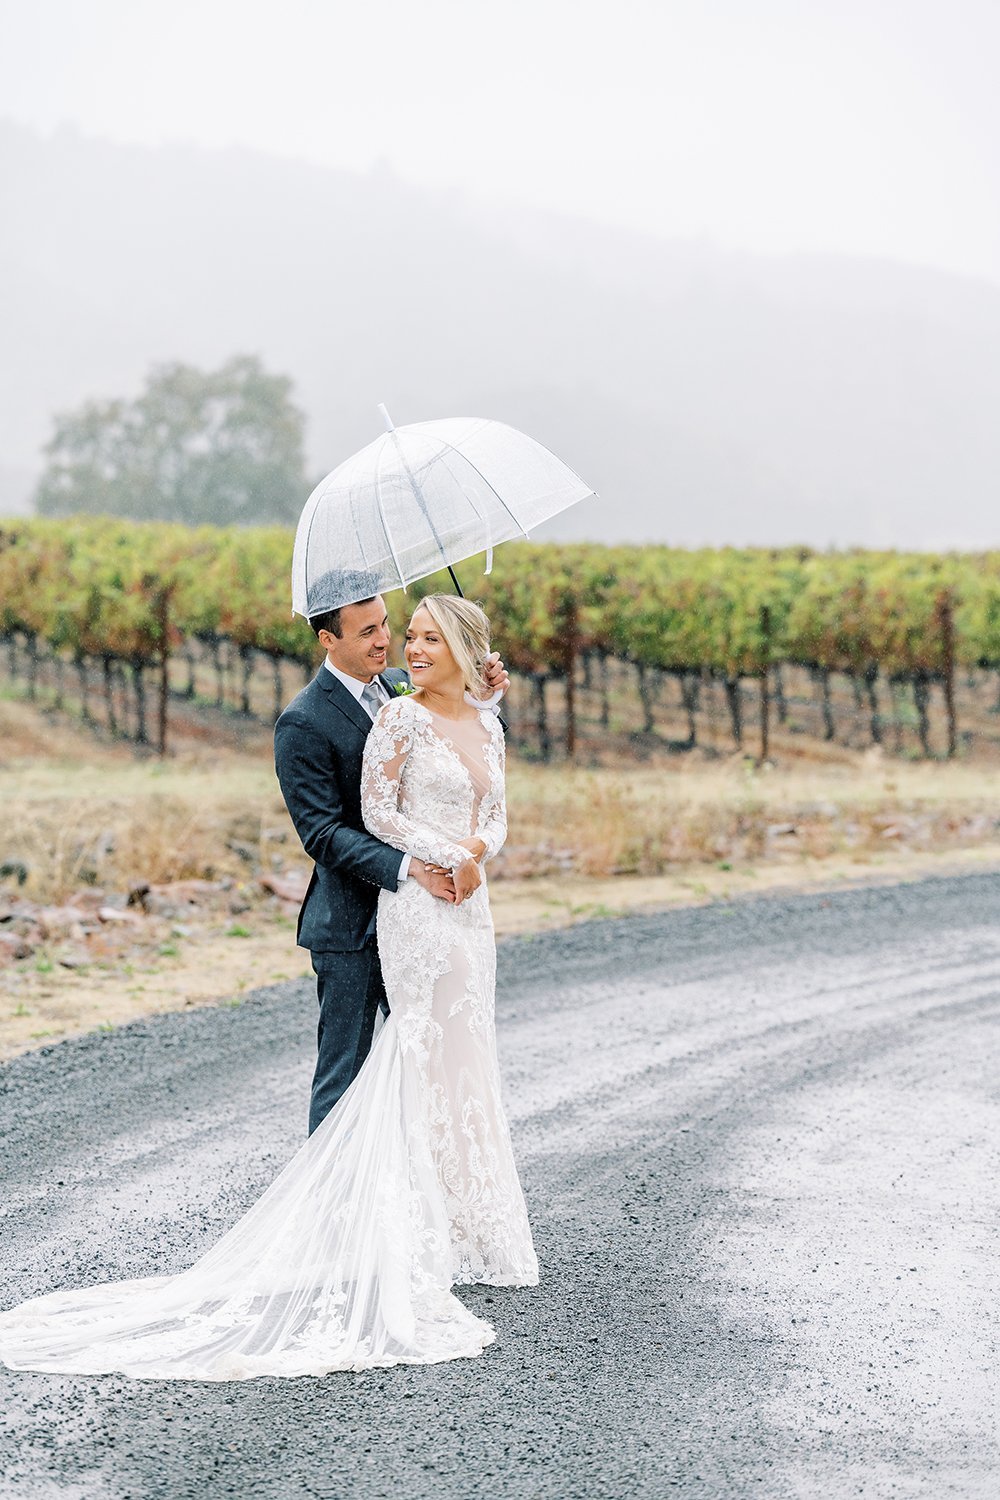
(760, 1147)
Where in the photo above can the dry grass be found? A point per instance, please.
(645, 821)
(77, 813)
(83, 816)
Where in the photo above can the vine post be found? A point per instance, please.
(538, 681)
(605, 695)
(946, 621)
(570, 642)
(731, 684)
(645, 698)
(276, 685)
(765, 698)
(780, 701)
(83, 679)
(870, 680)
(32, 639)
(246, 656)
(137, 665)
(163, 699)
(921, 700)
(107, 669)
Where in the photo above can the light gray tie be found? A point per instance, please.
(371, 697)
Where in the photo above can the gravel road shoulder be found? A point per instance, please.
(759, 1143)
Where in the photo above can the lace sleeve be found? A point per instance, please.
(493, 815)
(386, 749)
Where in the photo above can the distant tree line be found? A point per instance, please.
(219, 447)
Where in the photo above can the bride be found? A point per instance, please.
(408, 1187)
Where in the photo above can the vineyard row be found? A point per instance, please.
(134, 598)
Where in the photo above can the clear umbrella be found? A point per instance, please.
(420, 498)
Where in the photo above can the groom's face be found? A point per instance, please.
(361, 649)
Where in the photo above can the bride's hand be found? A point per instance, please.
(476, 847)
(468, 878)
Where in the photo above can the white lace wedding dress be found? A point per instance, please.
(409, 1185)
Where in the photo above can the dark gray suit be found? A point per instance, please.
(319, 743)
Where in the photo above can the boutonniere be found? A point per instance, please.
(403, 689)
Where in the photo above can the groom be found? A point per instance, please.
(319, 743)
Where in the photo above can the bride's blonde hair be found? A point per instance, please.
(466, 632)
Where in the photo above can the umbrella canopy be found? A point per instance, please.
(418, 499)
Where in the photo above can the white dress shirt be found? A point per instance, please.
(354, 685)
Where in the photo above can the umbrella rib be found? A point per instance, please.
(418, 495)
(465, 459)
(568, 469)
(486, 525)
(305, 558)
(385, 523)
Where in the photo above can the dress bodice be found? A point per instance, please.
(429, 781)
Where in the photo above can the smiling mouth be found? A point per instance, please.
(420, 666)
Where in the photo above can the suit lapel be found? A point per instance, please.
(391, 683)
(342, 699)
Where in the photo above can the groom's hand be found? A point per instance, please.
(438, 882)
(495, 673)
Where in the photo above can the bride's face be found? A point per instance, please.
(427, 655)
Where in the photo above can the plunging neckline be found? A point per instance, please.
(479, 793)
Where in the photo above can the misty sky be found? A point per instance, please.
(860, 126)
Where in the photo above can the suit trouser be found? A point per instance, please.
(350, 991)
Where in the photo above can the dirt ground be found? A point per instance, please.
(217, 962)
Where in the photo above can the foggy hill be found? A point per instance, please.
(709, 396)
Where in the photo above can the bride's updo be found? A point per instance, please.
(465, 629)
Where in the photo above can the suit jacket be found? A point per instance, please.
(319, 743)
